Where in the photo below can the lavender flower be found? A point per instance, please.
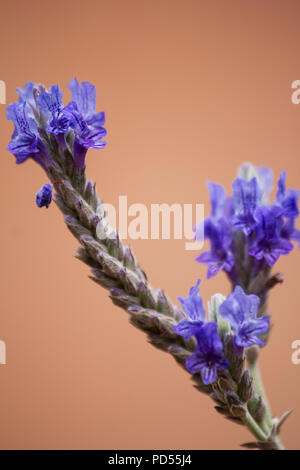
(248, 234)
(220, 255)
(237, 313)
(208, 357)
(25, 139)
(44, 195)
(40, 118)
(27, 95)
(269, 244)
(85, 136)
(241, 310)
(85, 99)
(50, 103)
(247, 196)
(86, 123)
(193, 307)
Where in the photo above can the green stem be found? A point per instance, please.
(255, 372)
(268, 420)
(257, 431)
(279, 443)
(252, 425)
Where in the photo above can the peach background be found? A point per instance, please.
(191, 90)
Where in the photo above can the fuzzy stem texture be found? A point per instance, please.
(115, 268)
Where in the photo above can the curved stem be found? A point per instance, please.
(252, 425)
(115, 267)
(257, 431)
(255, 372)
(268, 420)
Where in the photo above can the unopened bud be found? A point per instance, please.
(260, 411)
(246, 387)
(226, 384)
(214, 305)
(232, 398)
(238, 411)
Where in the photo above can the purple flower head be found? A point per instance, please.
(247, 196)
(208, 357)
(247, 223)
(44, 195)
(39, 115)
(193, 307)
(240, 310)
(269, 243)
(52, 106)
(219, 257)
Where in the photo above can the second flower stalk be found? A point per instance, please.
(224, 342)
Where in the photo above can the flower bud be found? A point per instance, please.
(44, 195)
(246, 387)
(214, 315)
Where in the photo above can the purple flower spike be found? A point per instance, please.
(247, 224)
(39, 114)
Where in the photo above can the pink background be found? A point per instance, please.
(191, 90)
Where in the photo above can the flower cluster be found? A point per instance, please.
(45, 129)
(237, 316)
(247, 233)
